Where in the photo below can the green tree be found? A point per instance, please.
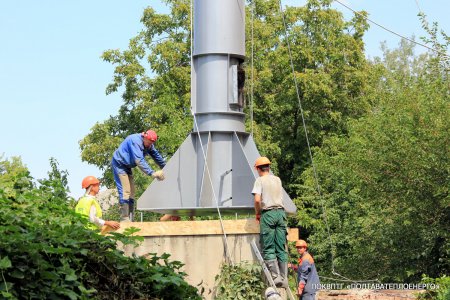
(57, 182)
(155, 74)
(14, 175)
(385, 184)
(331, 71)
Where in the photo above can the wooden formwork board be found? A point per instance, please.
(213, 227)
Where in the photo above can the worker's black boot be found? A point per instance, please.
(124, 212)
(272, 265)
(283, 266)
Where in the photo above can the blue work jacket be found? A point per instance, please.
(307, 273)
(131, 153)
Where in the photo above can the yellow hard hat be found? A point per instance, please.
(262, 161)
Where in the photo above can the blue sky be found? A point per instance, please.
(52, 80)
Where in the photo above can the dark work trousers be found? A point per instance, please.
(273, 233)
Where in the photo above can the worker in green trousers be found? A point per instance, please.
(268, 196)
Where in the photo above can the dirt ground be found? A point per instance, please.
(368, 294)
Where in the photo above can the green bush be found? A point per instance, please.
(47, 253)
(442, 292)
(241, 281)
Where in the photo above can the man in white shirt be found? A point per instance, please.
(269, 210)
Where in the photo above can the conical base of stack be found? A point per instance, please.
(193, 188)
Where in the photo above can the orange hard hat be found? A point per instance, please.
(262, 161)
(88, 181)
(150, 135)
(301, 243)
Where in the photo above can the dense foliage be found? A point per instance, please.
(242, 281)
(378, 130)
(385, 183)
(442, 293)
(46, 252)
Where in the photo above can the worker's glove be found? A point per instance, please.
(258, 217)
(301, 287)
(158, 175)
(293, 267)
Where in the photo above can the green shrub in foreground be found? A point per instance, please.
(241, 281)
(47, 253)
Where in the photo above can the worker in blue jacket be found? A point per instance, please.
(308, 279)
(130, 154)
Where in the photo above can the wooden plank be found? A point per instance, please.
(200, 228)
(193, 227)
(292, 234)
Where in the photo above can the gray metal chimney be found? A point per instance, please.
(217, 80)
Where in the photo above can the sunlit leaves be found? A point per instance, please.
(385, 184)
(47, 252)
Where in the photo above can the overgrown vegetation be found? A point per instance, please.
(241, 281)
(46, 252)
(441, 293)
(385, 183)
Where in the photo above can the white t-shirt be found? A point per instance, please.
(93, 217)
(271, 191)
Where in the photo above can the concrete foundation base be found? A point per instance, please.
(199, 245)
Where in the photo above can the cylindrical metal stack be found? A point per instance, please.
(217, 73)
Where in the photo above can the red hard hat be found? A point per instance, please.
(301, 243)
(88, 181)
(150, 135)
(262, 161)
